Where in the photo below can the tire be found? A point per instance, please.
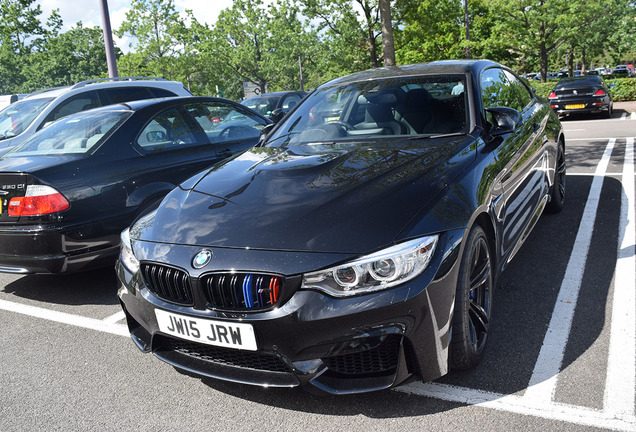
(473, 301)
(557, 193)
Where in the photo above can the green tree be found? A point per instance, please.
(254, 43)
(157, 27)
(67, 58)
(534, 28)
(20, 31)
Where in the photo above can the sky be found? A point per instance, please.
(89, 12)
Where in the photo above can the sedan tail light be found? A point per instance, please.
(600, 92)
(38, 200)
(552, 95)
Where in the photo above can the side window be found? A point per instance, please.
(290, 102)
(522, 91)
(225, 122)
(161, 93)
(168, 130)
(77, 103)
(495, 88)
(127, 94)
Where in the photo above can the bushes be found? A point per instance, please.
(624, 89)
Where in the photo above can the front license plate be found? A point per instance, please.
(205, 331)
(575, 106)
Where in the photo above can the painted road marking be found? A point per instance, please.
(544, 377)
(621, 366)
(115, 318)
(65, 318)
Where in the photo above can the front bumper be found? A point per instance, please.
(325, 344)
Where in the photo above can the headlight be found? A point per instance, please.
(126, 256)
(383, 269)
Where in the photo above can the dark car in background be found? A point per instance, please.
(359, 243)
(274, 105)
(622, 71)
(585, 94)
(68, 191)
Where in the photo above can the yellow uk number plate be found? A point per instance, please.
(575, 106)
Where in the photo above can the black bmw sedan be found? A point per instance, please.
(581, 94)
(67, 193)
(358, 245)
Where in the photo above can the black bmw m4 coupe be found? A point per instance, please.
(358, 245)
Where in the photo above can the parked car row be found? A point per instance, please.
(69, 186)
(618, 71)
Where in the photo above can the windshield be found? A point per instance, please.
(378, 109)
(75, 134)
(15, 118)
(263, 105)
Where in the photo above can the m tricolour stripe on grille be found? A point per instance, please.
(241, 291)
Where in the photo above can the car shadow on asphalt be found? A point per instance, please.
(96, 287)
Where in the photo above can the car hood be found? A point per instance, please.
(344, 198)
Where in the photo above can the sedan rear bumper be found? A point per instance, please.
(581, 105)
(26, 250)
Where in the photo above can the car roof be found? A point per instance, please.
(101, 83)
(143, 104)
(438, 67)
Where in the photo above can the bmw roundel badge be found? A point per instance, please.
(202, 259)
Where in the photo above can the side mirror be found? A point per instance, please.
(504, 120)
(277, 115)
(264, 132)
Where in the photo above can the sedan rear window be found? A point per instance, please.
(76, 134)
(378, 109)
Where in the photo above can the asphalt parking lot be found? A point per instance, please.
(561, 355)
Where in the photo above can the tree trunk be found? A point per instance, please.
(388, 47)
(543, 61)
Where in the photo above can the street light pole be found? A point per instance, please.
(108, 40)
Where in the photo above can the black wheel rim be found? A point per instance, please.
(561, 174)
(479, 295)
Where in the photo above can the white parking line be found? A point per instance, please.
(64, 318)
(518, 404)
(544, 377)
(621, 366)
(115, 318)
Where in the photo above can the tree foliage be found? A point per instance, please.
(266, 42)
